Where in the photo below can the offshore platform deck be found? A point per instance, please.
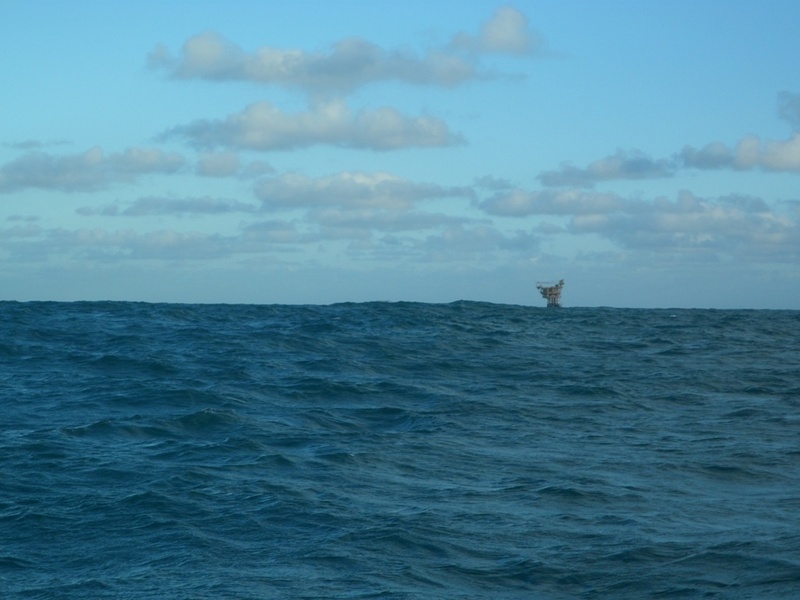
(551, 292)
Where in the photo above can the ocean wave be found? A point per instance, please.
(397, 450)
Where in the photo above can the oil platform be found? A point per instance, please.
(551, 292)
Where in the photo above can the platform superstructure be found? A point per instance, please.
(551, 292)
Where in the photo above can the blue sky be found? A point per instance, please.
(314, 152)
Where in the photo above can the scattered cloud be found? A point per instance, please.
(460, 242)
(732, 225)
(487, 182)
(507, 32)
(737, 227)
(349, 64)
(22, 231)
(368, 220)
(379, 215)
(228, 164)
(29, 145)
(715, 155)
(87, 171)
(105, 245)
(390, 225)
(276, 232)
(621, 165)
(520, 203)
(448, 239)
(218, 164)
(263, 126)
(350, 190)
(312, 230)
(751, 152)
(455, 243)
(256, 168)
(789, 108)
(169, 206)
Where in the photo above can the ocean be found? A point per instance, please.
(397, 451)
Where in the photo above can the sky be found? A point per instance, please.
(312, 152)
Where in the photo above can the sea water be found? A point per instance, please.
(397, 450)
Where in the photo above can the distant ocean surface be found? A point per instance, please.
(397, 450)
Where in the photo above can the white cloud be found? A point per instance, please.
(779, 155)
(349, 64)
(256, 168)
(263, 126)
(750, 152)
(715, 155)
(506, 32)
(104, 245)
(382, 220)
(346, 208)
(448, 239)
(453, 243)
(359, 226)
(88, 171)
(133, 162)
(349, 189)
(621, 165)
(487, 182)
(22, 231)
(740, 227)
(228, 164)
(218, 164)
(154, 205)
(458, 242)
(789, 108)
(276, 232)
(520, 203)
(30, 145)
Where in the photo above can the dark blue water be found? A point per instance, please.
(405, 450)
